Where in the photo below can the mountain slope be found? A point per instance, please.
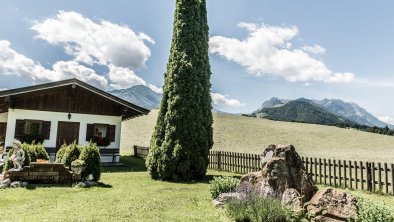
(351, 111)
(139, 95)
(300, 111)
(344, 110)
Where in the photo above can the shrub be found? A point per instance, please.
(370, 212)
(41, 152)
(60, 153)
(36, 151)
(91, 155)
(224, 184)
(8, 163)
(71, 153)
(255, 208)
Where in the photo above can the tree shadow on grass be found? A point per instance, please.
(131, 164)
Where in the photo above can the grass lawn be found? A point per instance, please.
(130, 195)
(251, 135)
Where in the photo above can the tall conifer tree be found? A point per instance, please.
(183, 134)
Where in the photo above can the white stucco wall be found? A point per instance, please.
(3, 117)
(54, 117)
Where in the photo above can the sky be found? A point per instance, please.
(258, 48)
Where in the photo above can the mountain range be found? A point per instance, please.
(324, 111)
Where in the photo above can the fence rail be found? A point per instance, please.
(360, 175)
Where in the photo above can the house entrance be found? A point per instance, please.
(67, 132)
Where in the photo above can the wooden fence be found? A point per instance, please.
(374, 177)
(370, 176)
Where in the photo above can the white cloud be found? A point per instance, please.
(219, 99)
(386, 119)
(13, 63)
(315, 49)
(72, 69)
(123, 77)
(100, 42)
(268, 51)
(2, 89)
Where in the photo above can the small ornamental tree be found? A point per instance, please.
(90, 154)
(183, 134)
(71, 153)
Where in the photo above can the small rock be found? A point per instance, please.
(91, 183)
(16, 184)
(223, 198)
(90, 177)
(80, 185)
(6, 182)
(25, 184)
(292, 198)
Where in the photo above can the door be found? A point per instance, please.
(67, 132)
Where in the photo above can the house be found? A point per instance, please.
(63, 112)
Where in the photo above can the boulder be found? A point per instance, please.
(281, 169)
(292, 198)
(332, 205)
(223, 198)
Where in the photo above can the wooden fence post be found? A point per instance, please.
(386, 179)
(392, 178)
(219, 160)
(369, 177)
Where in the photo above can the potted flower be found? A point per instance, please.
(77, 166)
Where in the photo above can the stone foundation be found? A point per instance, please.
(44, 173)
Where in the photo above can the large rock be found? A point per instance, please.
(281, 169)
(332, 205)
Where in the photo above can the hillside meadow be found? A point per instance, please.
(251, 135)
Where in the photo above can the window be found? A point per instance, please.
(32, 130)
(101, 134)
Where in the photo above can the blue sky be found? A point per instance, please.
(258, 49)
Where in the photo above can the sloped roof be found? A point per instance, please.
(136, 110)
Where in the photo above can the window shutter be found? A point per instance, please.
(46, 129)
(89, 132)
(19, 129)
(111, 132)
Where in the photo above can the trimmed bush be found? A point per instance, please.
(254, 208)
(8, 163)
(71, 153)
(41, 152)
(371, 212)
(225, 184)
(36, 151)
(91, 155)
(60, 153)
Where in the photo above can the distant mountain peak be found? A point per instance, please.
(139, 95)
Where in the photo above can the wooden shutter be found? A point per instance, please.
(46, 129)
(89, 132)
(111, 132)
(19, 129)
(3, 129)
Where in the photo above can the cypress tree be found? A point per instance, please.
(183, 134)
